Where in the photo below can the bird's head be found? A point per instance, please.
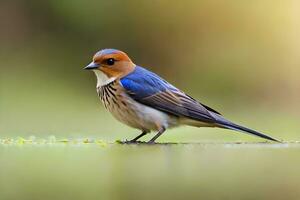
(110, 64)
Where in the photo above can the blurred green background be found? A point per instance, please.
(238, 57)
(241, 58)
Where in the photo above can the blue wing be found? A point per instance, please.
(149, 89)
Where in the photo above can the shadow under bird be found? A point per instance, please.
(141, 99)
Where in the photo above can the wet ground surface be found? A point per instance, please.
(95, 169)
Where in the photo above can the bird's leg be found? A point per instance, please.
(134, 140)
(161, 130)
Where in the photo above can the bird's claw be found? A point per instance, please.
(132, 142)
(136, 142)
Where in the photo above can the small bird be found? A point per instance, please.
(141, 99)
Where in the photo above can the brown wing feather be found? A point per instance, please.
(205, 106)
(179, 104)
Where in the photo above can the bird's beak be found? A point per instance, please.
(92, 65)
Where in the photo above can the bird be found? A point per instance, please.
(143, 100)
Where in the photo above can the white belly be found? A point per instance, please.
(146, 118)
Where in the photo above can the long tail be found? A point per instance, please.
(232, 126)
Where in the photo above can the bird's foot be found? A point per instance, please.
(131, 142)
(150, 142)
(136, 142)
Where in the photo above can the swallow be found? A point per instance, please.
(143, 100)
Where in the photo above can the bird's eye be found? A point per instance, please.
(110, 61)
